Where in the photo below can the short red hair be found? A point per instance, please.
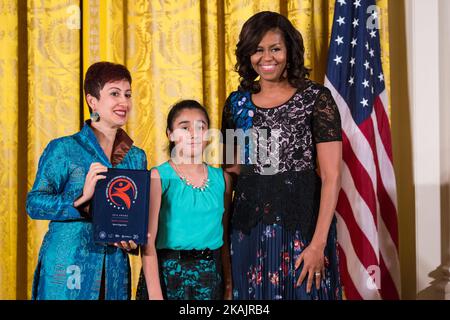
(100, 73)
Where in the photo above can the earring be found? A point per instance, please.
(95, 117)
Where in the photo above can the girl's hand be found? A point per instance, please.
(313, 265)
(228, 291)
(131, 245)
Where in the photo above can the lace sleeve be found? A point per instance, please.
(326, 119)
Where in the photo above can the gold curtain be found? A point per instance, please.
(174, 50)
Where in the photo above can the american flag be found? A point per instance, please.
(367, 205)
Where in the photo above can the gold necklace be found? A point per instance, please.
(205, 182)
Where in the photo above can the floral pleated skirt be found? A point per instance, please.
(263, 265)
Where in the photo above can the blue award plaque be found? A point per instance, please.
(120, 206)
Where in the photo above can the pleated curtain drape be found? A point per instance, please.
(174, 49)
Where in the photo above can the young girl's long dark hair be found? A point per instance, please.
(175, 111)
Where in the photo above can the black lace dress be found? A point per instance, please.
(277, 195)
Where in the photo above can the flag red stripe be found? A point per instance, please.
(388, 211)
(365, 252)
(351, 293)
(388, 289)
(361, 244)
(361, 178)
(383, 126)
(387, 207)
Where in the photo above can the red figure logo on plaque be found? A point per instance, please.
(121, 192)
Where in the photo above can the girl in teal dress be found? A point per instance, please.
(70, 265)
(187, 252)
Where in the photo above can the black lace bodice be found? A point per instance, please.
(279, 184)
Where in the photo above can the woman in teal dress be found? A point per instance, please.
(186, 257)
(70, 264)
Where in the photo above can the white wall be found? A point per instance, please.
(427, 28)
(444, 91)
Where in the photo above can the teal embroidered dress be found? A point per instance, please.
(70, 264)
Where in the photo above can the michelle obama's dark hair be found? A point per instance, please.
(251, 35)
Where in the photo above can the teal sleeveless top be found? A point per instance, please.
(190, 218)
